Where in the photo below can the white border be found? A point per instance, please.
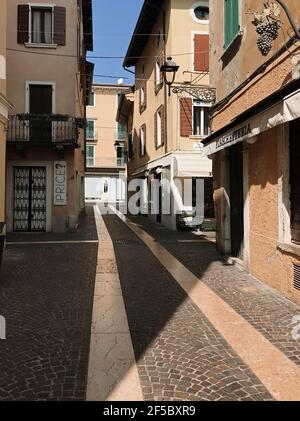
(204, 3)
(39, 82)
(42, 6)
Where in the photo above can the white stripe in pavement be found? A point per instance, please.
(279, 375)
(112, 373)
(29, 243)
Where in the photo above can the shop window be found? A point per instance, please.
(295, 180)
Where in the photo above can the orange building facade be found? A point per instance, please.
(255, 141)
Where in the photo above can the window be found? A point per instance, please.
(231, 21)
(159, 127)
(158, 73)
(130, 146)
(295, 180)
(121, 131)
(201, 125)
(143, 98)
(90, 129)
(105, 187)
(200, 11)
(41, 25)
(143, 140)
(90, 155)
(91, 101)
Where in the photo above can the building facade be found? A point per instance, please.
(4, 107)
(255, 145)
(49, 81)
(167, 130)
(105, 148)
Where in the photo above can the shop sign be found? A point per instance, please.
(60, 183)
(234, 136)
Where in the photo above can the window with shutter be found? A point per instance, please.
(186, 117)
(231, 20)
(295, 179)
(201, 53)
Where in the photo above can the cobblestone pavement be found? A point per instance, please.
(265, 309)
(179, 354)
(46, 296)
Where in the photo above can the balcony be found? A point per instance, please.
(39, 129)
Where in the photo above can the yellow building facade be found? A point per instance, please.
(168, 130)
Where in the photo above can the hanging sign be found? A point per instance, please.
(60, 183)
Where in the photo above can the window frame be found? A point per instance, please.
(88, 120)
(142, 140)
(202, 118)
(158, 129)
(203, 3)
(90, 158)
(40, 6)
(93, 94)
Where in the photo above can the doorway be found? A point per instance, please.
(30, 199)
(236, 200)
(40, 105)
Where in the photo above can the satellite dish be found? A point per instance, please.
(120, 81)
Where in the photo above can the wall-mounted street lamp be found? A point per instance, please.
(169, 70)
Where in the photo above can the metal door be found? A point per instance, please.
(30, 199)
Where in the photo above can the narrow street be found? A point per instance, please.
(156, 316)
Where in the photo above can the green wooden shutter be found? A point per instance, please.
(231, 20)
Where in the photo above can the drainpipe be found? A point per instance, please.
(290, 17)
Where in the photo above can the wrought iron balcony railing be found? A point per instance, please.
(41, 128)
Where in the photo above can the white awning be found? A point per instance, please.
(192, 165)
(282, 112)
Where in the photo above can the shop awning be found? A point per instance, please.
(192, 165)
(283, 111)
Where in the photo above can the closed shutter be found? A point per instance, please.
(23, 23)
(201, 53)
(155, 129)
(231, 20)
(295, 179)
(161, 62)
(186, 117)
(60, 25)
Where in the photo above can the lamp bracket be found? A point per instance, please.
(202, 93)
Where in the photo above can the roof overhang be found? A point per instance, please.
(148, 16)
(87, 12)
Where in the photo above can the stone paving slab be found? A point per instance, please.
(264, 308)
(180, 355)
(46, 296)
(86, 231)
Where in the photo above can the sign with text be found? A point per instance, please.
(60, 183)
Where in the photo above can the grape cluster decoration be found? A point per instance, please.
(267, 26)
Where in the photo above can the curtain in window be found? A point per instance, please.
(36, 26)
(48, 27)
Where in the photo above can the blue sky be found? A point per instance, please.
(114, 22)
